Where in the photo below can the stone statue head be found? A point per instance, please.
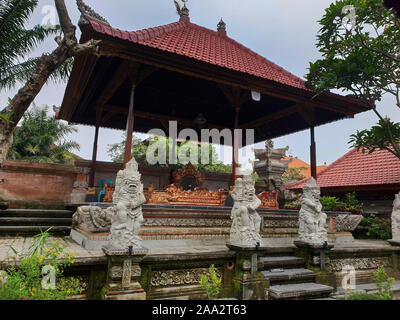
(312, 190)
(128, 182)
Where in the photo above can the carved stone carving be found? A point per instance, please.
(170, 222)
(396, 219)
(312, 220)
(180, 277)
(246, 224)
(127, 199)
(93, 219)
(359, 263)
(347, 222)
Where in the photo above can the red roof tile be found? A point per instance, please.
(357, 169)
(193, 41)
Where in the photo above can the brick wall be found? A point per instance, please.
(36, 182)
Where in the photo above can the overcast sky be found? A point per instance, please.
(283, 31)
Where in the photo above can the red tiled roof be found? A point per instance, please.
(357, 169)
(193, 41)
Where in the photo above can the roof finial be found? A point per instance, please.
(88, 11)
(221, 27)
(185, 10)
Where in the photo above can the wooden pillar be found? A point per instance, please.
(129, 128)
(313, 154)
(94, 158)
(235, 149)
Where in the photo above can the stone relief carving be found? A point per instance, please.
(93, 219)
(396, 219)
(128, 199)
(347, 222)
(359, 263)
(179, 277)
(312, 220)
(246, 224)
(152, 222)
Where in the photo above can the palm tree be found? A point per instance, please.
(42, 138)
(16, 43)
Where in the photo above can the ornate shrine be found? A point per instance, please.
(187, 189)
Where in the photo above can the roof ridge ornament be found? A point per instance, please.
(221, 27)
(88, 11)
(183, 12)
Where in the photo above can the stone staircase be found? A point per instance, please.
(29, 222)
(290, 280)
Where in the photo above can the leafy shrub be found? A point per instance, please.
(24, 282)
(329, 203)
(378, 228)
(211, 283)
(383, 284)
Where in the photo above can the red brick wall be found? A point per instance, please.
(36, 182)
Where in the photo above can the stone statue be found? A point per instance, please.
(246, 224)
(396, 219)
(128, 199)
(93, 219)
(312, 220)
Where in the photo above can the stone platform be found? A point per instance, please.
(172, 271)
(195, 225)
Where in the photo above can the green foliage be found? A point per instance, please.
(363, 60)
(377, 137)
(293, 206)
(24, 282)
(330, 203)
(42, 138)
(294, 174)
(139, 150)
(378, 228)
(349, 204)
(17, 42)
(211, 283)
(383, 284)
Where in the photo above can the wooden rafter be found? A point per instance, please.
(272, 117)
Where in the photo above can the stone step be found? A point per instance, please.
(289, 276)
(36, 213)
(281, 262)
(299, 291)
(33, 230)
(29, 221)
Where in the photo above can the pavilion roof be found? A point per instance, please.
(191, 40)
(196, 67)
(356, 169)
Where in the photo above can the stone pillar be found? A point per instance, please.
(248, 282)
(123, 274)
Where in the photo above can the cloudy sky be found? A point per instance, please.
(283, 31)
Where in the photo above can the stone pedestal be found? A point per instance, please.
(123, 274)
(314, 254)
(249, 284)
(394, 242)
